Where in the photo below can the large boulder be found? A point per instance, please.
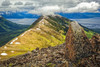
(78, 45)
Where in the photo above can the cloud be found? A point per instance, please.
(19, 3)
(85, 7)
(28, 3)
(51, 6)
(6, 3)
(81, 7)
(46, 10)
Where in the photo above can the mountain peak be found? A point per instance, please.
(51, 19)
(76, 27)
(77, 44)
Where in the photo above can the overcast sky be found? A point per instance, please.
(50, 6)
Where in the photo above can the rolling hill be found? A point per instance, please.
(6, 26)
(9, 30)
(46, 31)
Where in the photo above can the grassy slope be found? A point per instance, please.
(6, 25)
(50, 32)
(7, 36)
(9, 30)
(89, 32)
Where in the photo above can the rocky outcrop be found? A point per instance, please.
(78, 45)
(79, 50)
(46, 57)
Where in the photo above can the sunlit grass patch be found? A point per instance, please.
(10, 54)
(89, 33)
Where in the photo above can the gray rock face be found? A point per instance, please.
(77, 44)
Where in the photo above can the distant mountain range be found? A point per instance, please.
(79, 15)
(18, 15)
(25, 14)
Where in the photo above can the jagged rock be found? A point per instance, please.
(94, 59)
(90, 61)
(77, 44)
(95, 41)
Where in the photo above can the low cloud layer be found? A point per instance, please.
(46, 10)
(50, 6)
(85, 7)
(28, 3)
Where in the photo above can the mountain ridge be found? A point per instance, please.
(44, 32)
(56, 56)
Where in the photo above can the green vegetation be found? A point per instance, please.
(7, 36)
(50, 65)
(9, 30)
(89, 33)
(6, 26)
(10, 65)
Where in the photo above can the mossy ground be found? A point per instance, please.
(89, 34)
